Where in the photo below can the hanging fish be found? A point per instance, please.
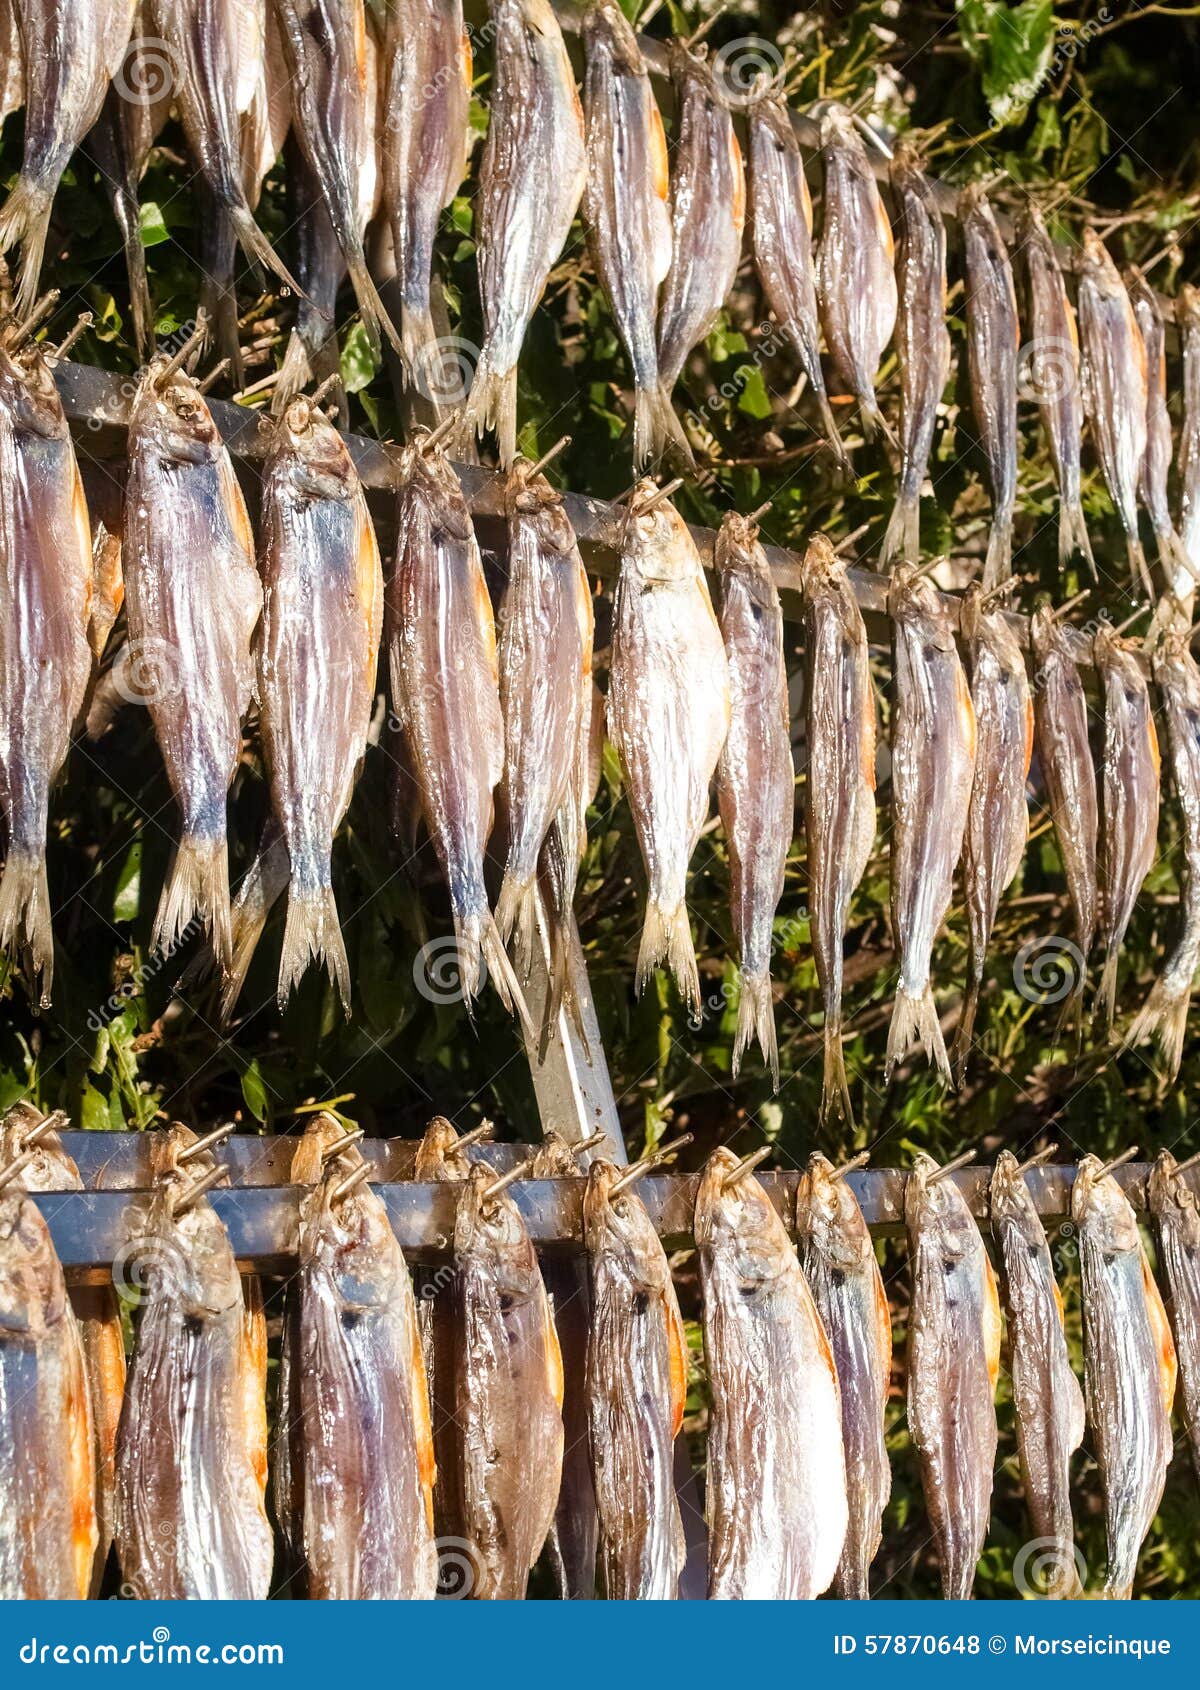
(508, 1391)
(755, 777)
(933, 761)
(1046, 1393)
(668, 716)
(45, 658)
(1129, 1366)
(47, 1476)
(953, 1363)
(1156, 463)
(312, 352)
(781, 225)
(776, 1489)
(636, 1385)
(191, 1445)
(12, 61)
(427, 54)
(855, 277)
(840, 808)
(1130, 771)
(1164, 1015)
(1060, 718)
(530, 182)
(993, 342)
(998, 814)
(445, 682)
(1173, 1203)
(317, 657)
(1115, 387)
(1187, 316)
(192, 598)
(625, 207)
(838, 1259)
(71, 50)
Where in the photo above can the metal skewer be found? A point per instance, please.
(746, 1166)
(193, 1192)
(1117, 1162)
(952, 1167)
(859, 1161)
(1036, 1161)
(205, 1143)
(646, 1164)
(549, 457)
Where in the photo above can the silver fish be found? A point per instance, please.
(993, 342)
(1156, 463)
(1173, 1203)
(1187, 315)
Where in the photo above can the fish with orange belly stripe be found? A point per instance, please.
(1176, 1210)
(993, 342)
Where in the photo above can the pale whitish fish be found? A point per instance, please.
(1129, 1367)
(71, 51)
(636, 1385)
(530, 181)
(327, 48)
(839, 1262)
(1046, 1394)
(953, 1362)
(840, 808)
(564, 850)
(191, 1458)
(1187, 315)
(998, 814)
(668, 715)
(1053, 378)
(193, 598)
(855, 277)
(1060, 718)
(755, 777)
(922, 345)
(1164, 1015)
(545, 656)
(441, 638)
(1176, 1211)
(317, 657)
(1115, 387)
(782, 242)
(12, 61)
(993, 342)
(625, 206)
(47, 1475)
(427, 56)
(508, 1391)
(45, 657)
(1156, 463)
(933, 761)
(1130, 789)
(776, 1488)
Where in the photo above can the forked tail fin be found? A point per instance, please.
(312, 933)
(965, 1036)
(1106, 996)
(258, 249)
(1073, 536)
(756, 1020)
(24, 222)
(902, 537)
(667, 936)
(197, 889)
(915, 1020)
(375, 315)
(997, 565)
(504, 979)
(656, 428)
(492, 404)
(835, 1088)
(1163, 1017)
(25, 918)
(516, 913)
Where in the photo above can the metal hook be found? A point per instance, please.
(197, 338)
(332, 1151)
(15, 1166)
(548, 457)
(646, 1164)
(746, 1166)
(952, 1167)
(203, 1144)
(1034, 1161)
(36, 317)
(859, 1161)
(189, 1195)
(350, 1183)
(1117, 1162)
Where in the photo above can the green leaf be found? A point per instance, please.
(1013, 46)
(358, 361)
(152, 224)
(754, 399)
(94, 1113)
(254, 1091)
(127, 896)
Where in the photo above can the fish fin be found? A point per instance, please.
(656, 428)
(916, 1019)
(1106, 997)
(833, 435)
(295, 373)
(667, 935)
(25, 916)
(258, 249)
(756, 1020)
(1182, 574)
(997, 566)
(1163, 1017)
(478, 934)
(1073, 537)
(24, 221)
(874, 422)
(516, 911)
(197, 886)
(312, 932)
(902, 537)
(141, 308)
(419, 352)
(561, 991)
(964, 1037)
(492, 404)
(1138, 567)
(835, 1087)
(376, 317)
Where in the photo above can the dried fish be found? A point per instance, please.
(1046, 1393)
(998, 815)
(45, 657)
(755, 777)
(1187, 315)
(445, 682)
(933, 760)
(1054, 378)
(953, 1363)
(12, 61)
(922, 346)
(840, 810)
(317, 657)
(1156, 463)
(1173, 1203)
(856, 281)
(636, 1384)
(776, 1491)
(1129, 1366)
(312, 349)
(192, 597)
(509, 1389)
(668, 715)
(1130, 770)
(993, 342)
(838, 1259)
(625, 207)
(530, 183)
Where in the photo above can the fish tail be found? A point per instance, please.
(1106, 997)
(1164, 1018)
(24, 222)
(833, 434)
(312, 932)
(25, 916)
(419, 349)
(756, 1020)
(295, 373)
(492, 404)
(258, 249)
(873, 420)
(902, 537)
(375, 315)
(997, 566)
(1138, 567)
(964, 1038)
(835, 1088)
(656, 428)
(197, 887)
(488, 941)
(916, 1019)
(1073, 536)
(667, 935)
(141, 308)
(516, 910)
(247, 931)
(561, 990)
(1182, 573)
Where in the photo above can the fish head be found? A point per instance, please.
(32, 1291)
(489, 1235)
(536, 499)
(828, 1215)
(1096, 266)
(352, 1238)
(166, 1146)
(822, 567)
(554, 1158)
(740, 1221)
(1099, 1205)
(438, 1154)
(837, 127)
(973, 203)
(51, 1169)
(607, 30)
(912, 597)
(767, 118)
(1010, 1202)
(1168, 1189)
(1045, 633)
(186, 1256)
(930, 1203)
(310, 452)
(658, 544)
(904, 168)
(309, 1157)
(621, 1228)
(737, 550)
(29, 395)
(170, 415)
(426, 478)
